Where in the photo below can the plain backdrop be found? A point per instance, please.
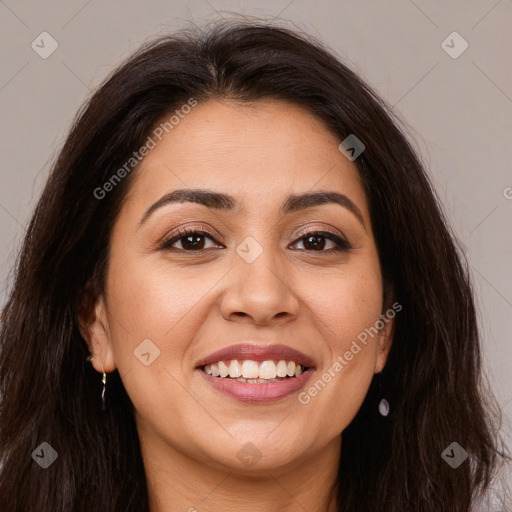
(457, 102)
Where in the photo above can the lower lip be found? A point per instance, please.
(257, 393)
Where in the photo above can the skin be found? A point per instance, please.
(190, 304)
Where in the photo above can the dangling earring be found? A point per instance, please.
(104, 382)
(383, 404)
(384, 407)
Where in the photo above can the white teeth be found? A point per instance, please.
(235, 369)
(250, 369)
(264, 371)
(281, 369)
(267, 370)
(215, 370)
(223, 369)
(256, 381)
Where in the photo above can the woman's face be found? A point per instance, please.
(255, 278)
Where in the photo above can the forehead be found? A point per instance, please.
(259, 152)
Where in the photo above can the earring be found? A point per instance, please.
(384, 407)
(104, 382)
(383, 404)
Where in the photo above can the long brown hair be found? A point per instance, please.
(433, 379)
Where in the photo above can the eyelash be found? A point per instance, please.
(342, 245)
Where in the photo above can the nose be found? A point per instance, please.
(261, 292)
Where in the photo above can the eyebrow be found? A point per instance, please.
(220, 201)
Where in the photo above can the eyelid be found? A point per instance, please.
(341, 242)
(183, 231)
(188, 228)
(314, 229)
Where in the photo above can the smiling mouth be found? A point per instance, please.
(255, 372)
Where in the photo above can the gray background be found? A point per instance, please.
(458, 110)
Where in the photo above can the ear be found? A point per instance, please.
(384, 342)
(94, 328)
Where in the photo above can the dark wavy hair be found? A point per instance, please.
(433, 379)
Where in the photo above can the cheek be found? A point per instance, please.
(346, 309)
(348, 302)
(152, 298)
(149, 298)
(148, 301)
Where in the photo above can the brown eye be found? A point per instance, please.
(191, 240)
(316, 241)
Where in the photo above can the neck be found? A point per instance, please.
(178, 482)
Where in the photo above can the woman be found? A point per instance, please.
(238, 292)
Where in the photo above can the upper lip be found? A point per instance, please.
(258, 352)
